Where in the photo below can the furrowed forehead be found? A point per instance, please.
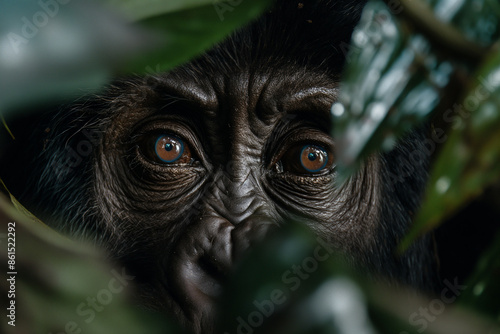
(216, 95)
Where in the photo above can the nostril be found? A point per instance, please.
(209, 280)
(197, 282)
(211, 266)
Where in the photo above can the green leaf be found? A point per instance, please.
(54, 280)
(470, 158)
(51, 51)
(19, 207)
(404, 312)
(483, 294)
(295, 283)
(136, 10)
(70, 54)
(289, 284)
(188, 30)
(401, 71)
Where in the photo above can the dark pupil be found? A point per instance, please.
(169, 147)
(312, 156)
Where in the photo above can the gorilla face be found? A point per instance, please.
(177, 174)
(197, 170)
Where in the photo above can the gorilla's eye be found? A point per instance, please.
(313, 158)
(305, 159)
(166, 149)
(169, 148)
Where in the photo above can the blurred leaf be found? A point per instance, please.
(190, 29)
(484, 293)
(470, 158)
(295, 283)
(54, 277)
(400, 71)
(136, 10)
(291, 283)
(19, 207)
(49, 50)
(404, 312)
(6, 126)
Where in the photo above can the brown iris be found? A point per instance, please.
(169, 148)
(313, 158)
(305, 159)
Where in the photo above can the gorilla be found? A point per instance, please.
(177, 174)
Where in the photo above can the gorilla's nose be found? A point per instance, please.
(203, 258)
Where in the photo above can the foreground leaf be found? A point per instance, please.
(285, 286)
(81, 45)
(137, 10)
(53, 285)
(52, 51)
(192, 28)
(484, 294)
(295, 283)
(470, 158)
(400, 71)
